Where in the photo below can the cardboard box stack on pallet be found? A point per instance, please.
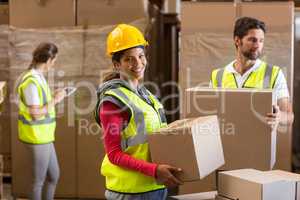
(208, 44)
(81, 62)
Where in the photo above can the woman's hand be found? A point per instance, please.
(59, 95)
(164, 174)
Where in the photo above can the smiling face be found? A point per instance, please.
(132, 64)
(251, 45)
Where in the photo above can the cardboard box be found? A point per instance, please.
(111, 12)
(243, 146)
(196, 196)
(2, 91)
(209, 183)
(251, 184)
(196, 147)
(42, 13)
(4, 14)
(289, 177)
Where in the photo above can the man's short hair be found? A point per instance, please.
(244, 24)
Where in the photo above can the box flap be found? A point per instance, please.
(207, 142)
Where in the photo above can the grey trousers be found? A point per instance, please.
(153, 195)
(45, 171)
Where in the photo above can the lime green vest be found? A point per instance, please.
(39, 131)
(145, 119)
(263, 77)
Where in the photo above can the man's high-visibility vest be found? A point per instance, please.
(263, 77)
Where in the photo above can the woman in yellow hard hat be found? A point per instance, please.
(127, 112)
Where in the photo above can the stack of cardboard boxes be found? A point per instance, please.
(56, 13)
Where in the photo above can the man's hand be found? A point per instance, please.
(282, 115)
(164, 174)
(273, 118)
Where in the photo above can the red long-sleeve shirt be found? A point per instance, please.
(112, 120)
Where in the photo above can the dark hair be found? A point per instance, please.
(116, 57)
(244, 24)
(42, 53)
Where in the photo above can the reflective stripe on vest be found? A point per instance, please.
(267, 77)
(47, 120)
(141, 136)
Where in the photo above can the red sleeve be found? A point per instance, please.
(112, 120)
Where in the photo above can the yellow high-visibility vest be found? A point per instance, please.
(263, 77)
(39, 131)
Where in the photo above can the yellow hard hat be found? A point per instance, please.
(123, 37)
